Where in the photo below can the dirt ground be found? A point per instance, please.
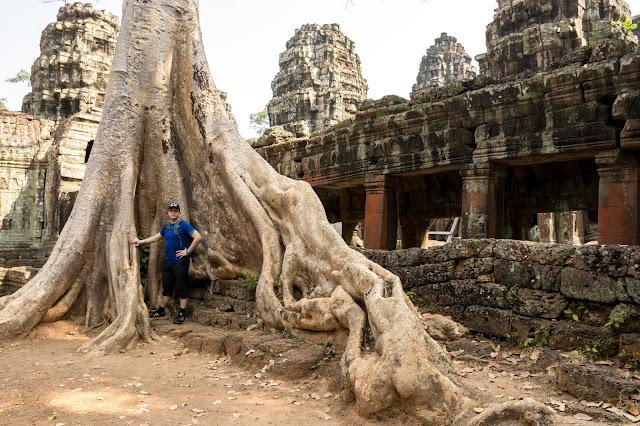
(45, 381)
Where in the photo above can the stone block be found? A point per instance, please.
(592, 382)
(585, 285)
(456, 312)
(491, 321)
(629, 343)
(514, 274)
(539, 303)
(513, 250)
(465, 292)
(473, 268)
(607, 259)
(547, 277)
(552, 254)
(570, 335)
(462, 249)
(424, 274)
(523, 327)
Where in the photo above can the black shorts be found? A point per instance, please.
(175, 274)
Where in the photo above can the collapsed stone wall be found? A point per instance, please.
(533, 34)
(518, 289)
(320, 82)
(445, 62)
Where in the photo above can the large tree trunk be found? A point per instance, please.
(164, 136)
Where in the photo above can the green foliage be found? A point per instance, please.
(615, 319)
(21, 77)
(510, 337)
(595, 350)
(633, 360)
(573, 315)
(512, 297)
(286, 333)
(259, 121)
(540, 337)
(249, 282)
(269, 202)
(3, 104)
(143, 254)
(628, 26)
(410, 295)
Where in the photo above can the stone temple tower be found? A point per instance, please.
(71, 73)
(532, 34)
(445, 62)
(319, 83)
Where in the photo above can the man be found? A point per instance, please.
(177, 235)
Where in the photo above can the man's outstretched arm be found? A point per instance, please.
(152, 239)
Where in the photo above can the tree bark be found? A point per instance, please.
(164, 137)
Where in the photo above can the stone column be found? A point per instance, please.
(618, 219)
(483, 188)
(380, 214)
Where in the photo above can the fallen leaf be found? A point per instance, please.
(582, 416)
(478, 409)
(216, 402)
(249, 352)
(633, 411)
(535, 355)
(173, 407)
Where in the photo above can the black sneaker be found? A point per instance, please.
(179, 319)
(157, 314)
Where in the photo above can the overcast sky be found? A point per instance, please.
(243, 39)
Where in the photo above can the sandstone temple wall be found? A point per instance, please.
(23, 145)
(531, 35)
(509, 289)
(496, 156)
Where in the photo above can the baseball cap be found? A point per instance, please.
(174, 206)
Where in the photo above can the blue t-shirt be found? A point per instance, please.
(174, 241)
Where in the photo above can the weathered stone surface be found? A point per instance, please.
(473, 268)
(523, 328)
(465, 292)
(495, 322)
(608, 260)
(407, 257)
(570, 335)
(538, 303)
(445, 62)
(424, 274)
(461, 249)
(585, 285)
(528, 35)
(514, 274)
(629, 343)
(606, 49)
(232, 288)
(319, 83)
(552, 254)
(456, 312)
(592, 382)
(513, 250)
(73, 68)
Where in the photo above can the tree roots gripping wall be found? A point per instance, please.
(164, 136)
